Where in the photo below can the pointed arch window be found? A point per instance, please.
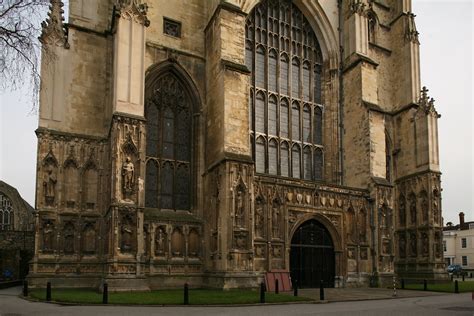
(6, 213)
(286, 117)
(169, 147)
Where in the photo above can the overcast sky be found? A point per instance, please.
(446, 36)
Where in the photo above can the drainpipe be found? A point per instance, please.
(341, 93)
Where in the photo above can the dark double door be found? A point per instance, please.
(312, 256)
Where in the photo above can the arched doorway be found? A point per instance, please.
(312, 256)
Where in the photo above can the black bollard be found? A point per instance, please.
(25, 288)
(105, 294)
(425, 285)
(186, 294)
(463, 277)
(295, 288)
(262, 292)
(48, 291)
(456, 287)
(403, 284)
(277, 290)
(321, 291)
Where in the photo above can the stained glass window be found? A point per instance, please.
(169, 141)
(286, 117)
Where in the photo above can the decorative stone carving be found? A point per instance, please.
(127, 233)
(259, 251)
(411, 34)
(402, 244)
(425, 244)
(412, 200)
(160, 241)
(133, 10)
(69, 234)
(49, 185)
(424, 206)
(240, 207)
(357, 6)
(53, 31)
(386, 246)
(193, 243)
(88, 239)
(177, 242)
(362, 226)
(276, 219)
(402, 210)
(413, 246)
(364, 254)
(240, 240)
(350, 224)
(48, 236)
(128, 175)
(259, 217)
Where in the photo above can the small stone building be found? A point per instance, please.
(16, 234)
(214, 141)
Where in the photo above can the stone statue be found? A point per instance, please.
(275, 220)
(402, 246)
(159, 241)
(48, 236)
(128, 174)
(49, 185)
(413, 210)
(126, 231)
(259, 219)
(239, 209)
(402, 211)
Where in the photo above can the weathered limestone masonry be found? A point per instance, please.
(211, 142)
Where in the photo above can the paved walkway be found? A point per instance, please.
(361, 294)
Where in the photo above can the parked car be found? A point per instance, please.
(455, 269)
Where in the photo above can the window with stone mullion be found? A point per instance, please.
(285, 68)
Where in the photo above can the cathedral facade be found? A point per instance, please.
(212, 142)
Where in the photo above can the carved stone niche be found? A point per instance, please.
(161, 241)
(177, 242)
(69, 234)
(89, 238)
(194, 243)
(48, 234)
(128, 168)
(259, 217)
(240, 240)
(402, 245)
(240, 204)
(50, 169)
(128, 233)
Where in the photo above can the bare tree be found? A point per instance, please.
(20, 26)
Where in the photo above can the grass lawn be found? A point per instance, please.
(467, 286)
(164, 297)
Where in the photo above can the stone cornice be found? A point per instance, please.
(42, 131)
(230, 65)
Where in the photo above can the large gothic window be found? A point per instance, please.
(6, 213)
(168, 146)
(286, 116)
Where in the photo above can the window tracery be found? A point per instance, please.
(6, 213)
(169, 126)
(284, 56)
